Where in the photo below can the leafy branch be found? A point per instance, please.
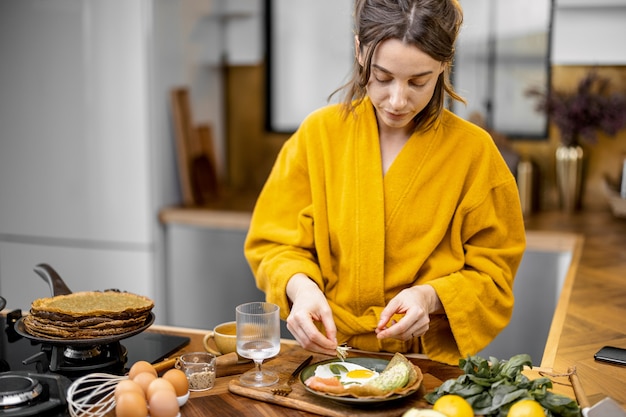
(580, 115)
(493, 386)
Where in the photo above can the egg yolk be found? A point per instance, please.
(360, 374)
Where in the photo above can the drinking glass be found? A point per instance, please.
(258, 338)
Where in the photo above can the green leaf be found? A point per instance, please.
(480, 403)
(337, 369)
(515, 365)
(559, 405)
(507, 394)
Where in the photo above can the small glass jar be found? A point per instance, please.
(199, 367)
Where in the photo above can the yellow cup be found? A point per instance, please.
(224, 337)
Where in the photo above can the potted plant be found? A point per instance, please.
(579, 116)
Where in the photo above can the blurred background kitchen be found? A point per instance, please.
(93, 180)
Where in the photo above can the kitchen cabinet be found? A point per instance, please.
(209, 274)
(548, 259)
(86, 153)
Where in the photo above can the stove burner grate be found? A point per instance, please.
(18, 389)
(73, 361)
(76, 361)
(82, 353)
(40, 394)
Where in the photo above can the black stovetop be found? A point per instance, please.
(14, 349)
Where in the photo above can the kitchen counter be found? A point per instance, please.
(225, 398)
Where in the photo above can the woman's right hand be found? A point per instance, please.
(309, 305)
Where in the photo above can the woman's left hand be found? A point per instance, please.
(416, 304)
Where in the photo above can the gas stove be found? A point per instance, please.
(24, 393)
(35, 375)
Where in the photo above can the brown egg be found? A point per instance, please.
(139, 367)
(159, 384)
(144, 379)
(163, 403)
(131, 404)
(178, 380)
(127, 385)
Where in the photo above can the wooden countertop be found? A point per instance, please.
(222, 401)
(591, 312)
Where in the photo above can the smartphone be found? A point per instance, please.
(611, 354)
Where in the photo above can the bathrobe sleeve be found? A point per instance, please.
(280, 241)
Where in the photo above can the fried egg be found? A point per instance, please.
(347, 373)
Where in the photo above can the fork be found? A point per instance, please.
(285, 388)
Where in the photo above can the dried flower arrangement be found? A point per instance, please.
(581, 114)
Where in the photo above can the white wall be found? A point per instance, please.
(589, 32)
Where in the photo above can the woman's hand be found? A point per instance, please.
(309, 306)
(416, 304)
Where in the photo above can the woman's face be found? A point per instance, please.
(402, 82)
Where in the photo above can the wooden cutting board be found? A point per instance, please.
(300, 399)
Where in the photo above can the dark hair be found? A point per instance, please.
(430, 25)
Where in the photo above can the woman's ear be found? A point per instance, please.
(444, 66)
(357, 50)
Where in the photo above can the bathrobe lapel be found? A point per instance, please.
(377, 200)
(370, 214)
(403, 179)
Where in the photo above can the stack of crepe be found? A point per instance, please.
(87, 315)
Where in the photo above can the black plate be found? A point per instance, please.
(21, 330)
(3, 303)
(374, 364)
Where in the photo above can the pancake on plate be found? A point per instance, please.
(88, 314)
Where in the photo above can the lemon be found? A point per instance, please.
(453, 406)
(526, 408)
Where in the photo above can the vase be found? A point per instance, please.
(569, 174)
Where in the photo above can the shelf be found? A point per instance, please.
(202, 217)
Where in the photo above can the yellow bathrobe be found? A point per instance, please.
(446, 213)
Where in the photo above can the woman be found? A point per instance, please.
(387, 222)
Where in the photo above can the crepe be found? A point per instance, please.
(93, 303)
(86, 315)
